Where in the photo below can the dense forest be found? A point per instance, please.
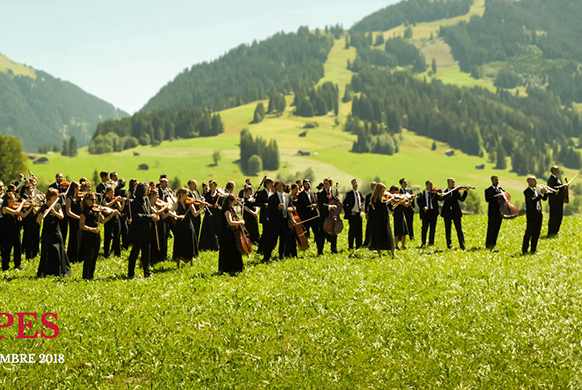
(508, 27)
(534, 131)
(411, 12)
(397, 52)
(281, 63)
(317, 101)
(257, 154)
(46, 110)
(153, 127)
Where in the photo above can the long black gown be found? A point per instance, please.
(90, 243)
(185, 243)
(211, 225)
(379, 220)
(74, 232)
(400, 226)
(229, 258)
(251, 223)
(53, 255)
(161, 254)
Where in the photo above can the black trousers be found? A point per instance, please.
(458, 227)
(143, 246)
(493, 226)
(112, 233)
(125, 242)
(532, 233)
(31, 240)
(409, 216)
(556, 215)
(278, 231)
(429, 222)
(90, 242)
(355, 231)
(291, 248)
(264, 241)
(322, 237)
(10, 242)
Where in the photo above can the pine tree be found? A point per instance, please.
(65, 149)
(501, 163)
(434, 66)
(73, 147)
(259, 113)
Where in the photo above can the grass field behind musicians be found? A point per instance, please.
(429, 319)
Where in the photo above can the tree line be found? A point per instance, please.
(534, 131)
(257, 154)
(317, 101)
(282, 63)
(412, 12)
(153, 127)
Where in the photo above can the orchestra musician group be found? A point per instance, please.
(145, 215)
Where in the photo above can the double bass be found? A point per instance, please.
(243, 242)
(507, 209)
(333, 224)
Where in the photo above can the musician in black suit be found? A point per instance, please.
(163, 191)
(101, 187)
(353, 203)
(307, 209)
(195, 194)
(261, 201)
(142, 218)
(249, 183)
(366, 212)
(279, 209)
(324, 197)
(494, 218)
(533, 206)
(408, 211)
(63, 223)
(556, 201)
(428, 204)
(451, 213)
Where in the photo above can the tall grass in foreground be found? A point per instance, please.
(428, 319)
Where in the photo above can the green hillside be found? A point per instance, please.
(42, 110)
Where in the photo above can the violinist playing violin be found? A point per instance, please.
(428, 204)
(278, 209)
(353, 203)
(556, 201)
(451, 212)
(533, 206)
(494, 218)
(307, 209)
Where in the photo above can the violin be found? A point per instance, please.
(64, 185)
(507, 209)
(243, 242)
(104, 209)
(333, 224)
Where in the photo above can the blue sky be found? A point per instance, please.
(124, 51)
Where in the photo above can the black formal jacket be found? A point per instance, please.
(100, 190)
(493, 209)
(451, 208)
(323, 204)
(350, 201)
(557, 198)
(275, 214)
(433, 198)
(262, 201)
(141, 219)
(532, 199)
(304, 202)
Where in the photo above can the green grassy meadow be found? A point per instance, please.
(431, 318)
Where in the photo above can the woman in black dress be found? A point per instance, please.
(159, 229)
(90, 236)
(113, 226)
(185, 242)
(53, 255)
(211, 224)
(291, 247)
(73, 209)
(31, 235)
(400, 227)
(379, 221)
(229, 258)
(251, 215)
(11, 230)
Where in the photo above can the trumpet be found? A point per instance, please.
(545, 188)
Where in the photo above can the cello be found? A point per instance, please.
(507, 209)
(333, 224)
(300, 237)
(243, 242)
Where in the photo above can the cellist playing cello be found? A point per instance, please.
(325, 201)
